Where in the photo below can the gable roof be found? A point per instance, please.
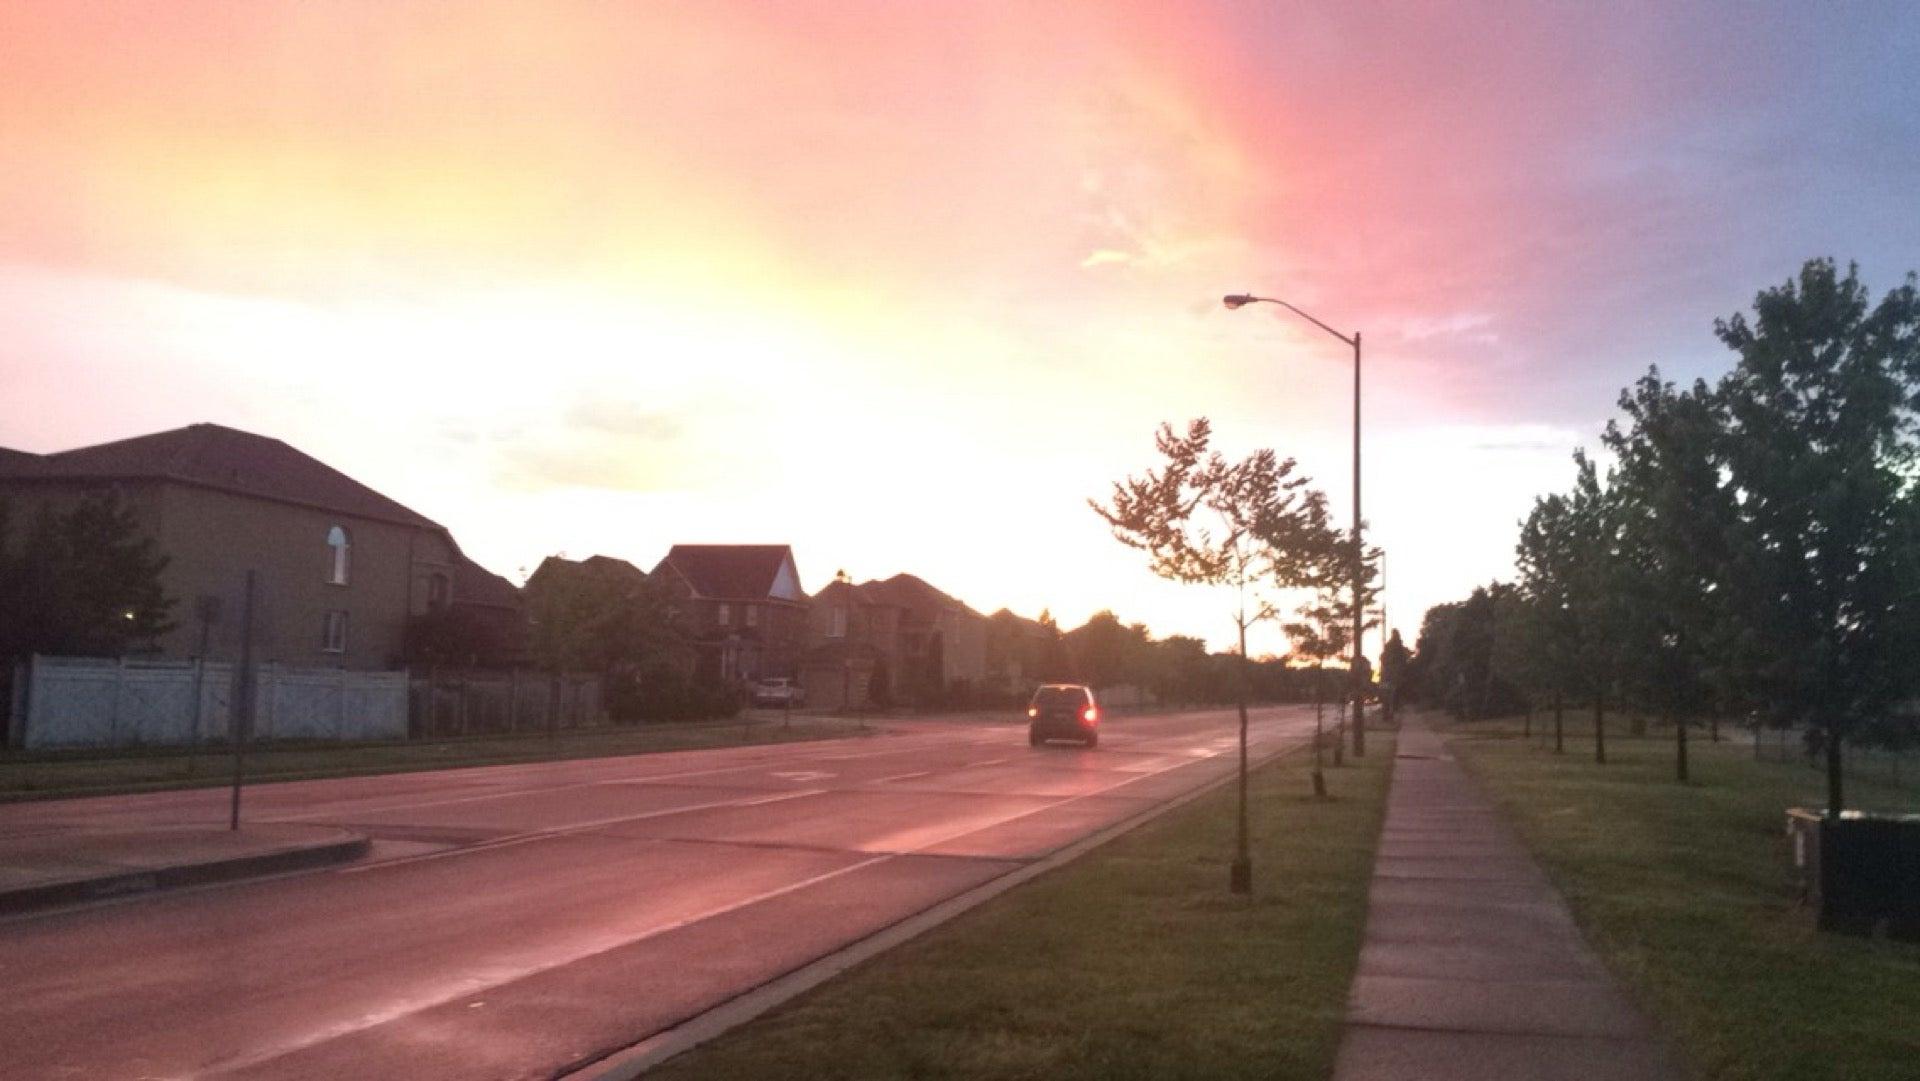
(225, 459)
(474, 584)
(593, 569)
(745, 572)
(913, 594)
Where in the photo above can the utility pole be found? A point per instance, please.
(240, 716)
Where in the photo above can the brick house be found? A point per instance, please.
(911, 643)
(341, 568)
(740, 607)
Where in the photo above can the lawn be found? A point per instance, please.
(1132, 962)
(47, 775)
(1686, 893)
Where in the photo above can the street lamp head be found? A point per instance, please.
(1237, 300)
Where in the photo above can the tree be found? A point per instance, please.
(1106, 652)
(1318, 634)
(1395, 659)
(1595, 597)
(1825, 555)
(84, 582)
(1246, 527)
(1676, 517)
(606, 616)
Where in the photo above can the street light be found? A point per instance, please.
(1241, 300)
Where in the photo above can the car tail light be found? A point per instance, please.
(1090, 715)
(1032, 712)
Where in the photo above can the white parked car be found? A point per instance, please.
(778, 692)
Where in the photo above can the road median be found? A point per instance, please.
(48, 870)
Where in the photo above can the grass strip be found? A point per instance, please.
(1132, 962)
(1686, 892)
(55, 775)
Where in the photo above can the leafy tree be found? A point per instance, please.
(1395, 660)
(1106, 652)
(1319, 633)
(606, 617)
(83, 582)
(1247, 527)
(1825, 557)
(1547, 558)
(1676, 518)
(1594, 589)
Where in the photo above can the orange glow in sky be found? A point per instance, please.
(900, 284)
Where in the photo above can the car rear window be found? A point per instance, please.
(1060, 696)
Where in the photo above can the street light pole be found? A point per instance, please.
(1240, 300)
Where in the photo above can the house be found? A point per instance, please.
(341, 569)
(740, 606)
(912, 643)
(1022, 654)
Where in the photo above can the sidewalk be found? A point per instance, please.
(40, 870)
(1471, 966)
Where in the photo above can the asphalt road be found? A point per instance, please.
(517, 921)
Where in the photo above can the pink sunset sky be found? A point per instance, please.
(903, 284)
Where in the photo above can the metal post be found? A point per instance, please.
(240, 717)
(1359, 570)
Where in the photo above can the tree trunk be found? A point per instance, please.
(1559, 729)
(1680, 748)
(1240, 874)
(1713, 726)
(1836, 795)
(1600, 727)
(1526, 731)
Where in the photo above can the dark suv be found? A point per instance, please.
(1063, 711)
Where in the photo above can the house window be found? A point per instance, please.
(333, 633)
(723, 615)
(837, 622)
(436, 592)
(753, 615)
(340, 547)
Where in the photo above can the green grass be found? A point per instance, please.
(54, 774)
(1687, 893)
(1132, 962)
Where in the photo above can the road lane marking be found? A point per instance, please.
(905, 776)
(580, 827)
(804, 775)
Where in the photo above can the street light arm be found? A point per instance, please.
(1242, 299)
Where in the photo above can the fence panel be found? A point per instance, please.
(91, 702)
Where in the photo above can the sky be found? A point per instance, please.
(904, 285)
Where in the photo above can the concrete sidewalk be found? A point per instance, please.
(1472, 966)
(41, 870)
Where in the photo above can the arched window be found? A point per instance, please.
(340, 546)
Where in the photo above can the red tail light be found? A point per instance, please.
(1032, 712)
(1090, 715)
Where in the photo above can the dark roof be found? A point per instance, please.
(593, 568)
(729, 571)
(474, 584)
(227, 459)
(914, 594)
(1022, 623)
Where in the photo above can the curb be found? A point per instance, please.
(624, 1064)
(351, 846)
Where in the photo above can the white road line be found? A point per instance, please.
(578, 827)
(904, 776)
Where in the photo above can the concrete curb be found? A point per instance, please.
(349, 846)
(627, 1063)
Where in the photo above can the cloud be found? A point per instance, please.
(626, 419)
(1103, 256)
